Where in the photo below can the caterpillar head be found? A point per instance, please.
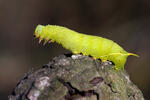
(45, 33)
(39, 30)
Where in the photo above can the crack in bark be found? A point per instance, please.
(72, 91)
(110, 86)
(131, 95)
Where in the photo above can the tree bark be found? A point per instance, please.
(76, 77)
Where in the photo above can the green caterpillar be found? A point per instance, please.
(95, 46)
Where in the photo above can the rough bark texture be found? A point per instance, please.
(76, 77)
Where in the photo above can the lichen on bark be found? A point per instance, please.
(76, 77)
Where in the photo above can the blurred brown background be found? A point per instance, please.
(127, 22)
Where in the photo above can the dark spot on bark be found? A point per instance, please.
(45, 66)
(68, 54)
(96, 80)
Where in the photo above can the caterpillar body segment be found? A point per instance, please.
(98, 47)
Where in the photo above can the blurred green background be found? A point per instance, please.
(127, 22)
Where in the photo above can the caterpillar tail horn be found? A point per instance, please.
(132, 54)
